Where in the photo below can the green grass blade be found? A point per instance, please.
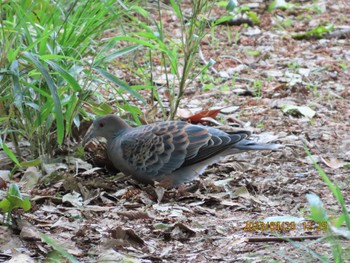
(58, 248)
(115, 54)
(139, 41)
(54, 93)
(65, 74)
(333, 187)
(9, 152)
(176, 8)
(329, 183)
(343, 207)
(17, 92)
(119, 83)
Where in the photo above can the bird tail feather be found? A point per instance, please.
(248, 145)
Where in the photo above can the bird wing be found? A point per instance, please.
(217, 141)
(161, 148)
(156, 149)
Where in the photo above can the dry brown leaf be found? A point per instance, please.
(126, 234)
(3, 184)
(333, 163)
(197, 118)
(134, 215)
(184, 113)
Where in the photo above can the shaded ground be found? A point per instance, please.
(121, 219)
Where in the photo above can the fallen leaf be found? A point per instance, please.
(198, 117)
(110, 255)
(30, 178)
(242, 192)
(223, 182)
(334, 163)
(21, 258)
(298, 110)
(229, 110)
(74, 199)
(5, 175)
(3, 184)
(127, 234)
(134, 215)
(210, 120)
(184, 113)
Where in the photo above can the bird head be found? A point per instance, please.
(106, 126)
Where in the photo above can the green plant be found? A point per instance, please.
(58, 252)
(293, 64)
(260, 125)
(257, 85)
(235, 11)
(283, 23)
(177, 56)
(253, 52)
(343, 65)
(316, 33)
(279, 4)
(313, 88)
(319, 215)
(12, 201)
(319, 220)
(51, 62)
(225, 88)
(345, 217)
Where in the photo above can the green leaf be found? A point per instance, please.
(101, 108)
(71, 107)
(231, 5)
(58, 248)
(149, 35)
(14, 199)
(140, 10)
(130, 108)
(58, 57)
(17, 92)
(279, 4)
(26, 205)
(14, 191)
(119, 83)
(317, 32)
(139, 41)
(65, 74)
(176, 8)
(341, 201)
(116, 54)
(223, 19)
(253, 52)
(12, 54)
(37, 41)
(339, 221)
(9, 152)
(30, 163)
(5, 205)
(54, 93)
(318, 213)
(254, 17)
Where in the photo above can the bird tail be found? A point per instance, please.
(249, 145)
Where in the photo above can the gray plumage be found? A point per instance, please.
(172, 152)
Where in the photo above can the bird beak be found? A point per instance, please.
(89, 135)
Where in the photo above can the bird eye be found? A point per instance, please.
(101, 125)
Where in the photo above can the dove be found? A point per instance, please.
(170, 152)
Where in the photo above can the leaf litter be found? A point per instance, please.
(96, 216)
